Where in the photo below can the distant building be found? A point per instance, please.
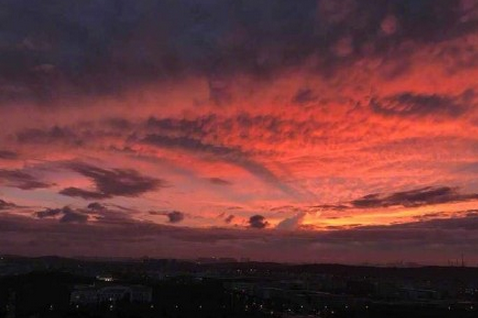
(105, 278)
(90, 295)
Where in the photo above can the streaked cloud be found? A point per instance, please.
(110, 183)
(22, 180)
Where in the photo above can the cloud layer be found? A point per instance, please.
(335, 127)
(110, 183)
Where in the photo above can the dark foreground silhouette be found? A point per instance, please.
(160, 288)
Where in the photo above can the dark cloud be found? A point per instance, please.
(196, 127)
(304, 96)
(467, 222)
(109, 214)
(284, 208)
(441, 231)
(49, 213)
(333, 207)
(413, 198)
(172, 216)
(74, 217)
(175, 216)
(53, 135)
(84, 194)
(4, 205)
(66, 214)
(8, 155)
(229, 219)
(191, 144)
(219, 181)
(100, 55)
(429, 216)
(410, 104)
(95, 206)
(258, 222)
(22, 180)
(111, 183)
(205, 132)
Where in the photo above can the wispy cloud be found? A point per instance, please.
(22, 180)
(110, 183)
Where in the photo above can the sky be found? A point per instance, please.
(328, 131)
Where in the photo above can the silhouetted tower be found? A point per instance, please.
(462, 260)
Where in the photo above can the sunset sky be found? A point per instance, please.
(298, 131)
